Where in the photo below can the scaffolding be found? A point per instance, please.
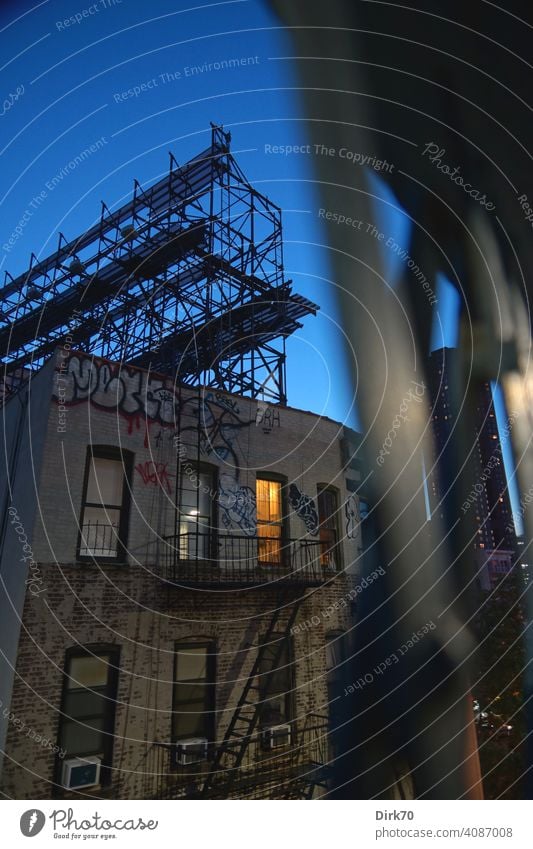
(185, 279)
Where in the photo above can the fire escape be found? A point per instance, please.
(248, 762)
(187, 280)
(225, 768)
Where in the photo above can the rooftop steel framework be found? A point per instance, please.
(186, 278)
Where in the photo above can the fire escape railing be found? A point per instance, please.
(288, 772)
(192, 558)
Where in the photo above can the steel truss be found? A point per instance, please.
(186, 279)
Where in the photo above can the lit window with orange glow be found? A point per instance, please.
(269, 521)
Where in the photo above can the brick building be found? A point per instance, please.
(179, 573)
(488, 503)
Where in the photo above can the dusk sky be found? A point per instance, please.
(76, 78)
(73, 79)
(136, 78)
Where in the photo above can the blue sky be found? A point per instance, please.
(72, 80)
(67, 67)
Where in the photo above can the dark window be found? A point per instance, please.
(269, 521)
(88, 705)
(196, 512)
(105, 508)
(193, 702)
(328, 534)
(275, 684)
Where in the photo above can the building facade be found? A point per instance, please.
(181, 568)
(488, 502)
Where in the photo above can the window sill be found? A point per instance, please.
(104, 561)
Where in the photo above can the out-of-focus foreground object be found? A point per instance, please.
(434, 97)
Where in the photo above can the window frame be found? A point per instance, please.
(335, 550)
(283, 524)
(125, 457)
(290, 670)
(110, 695)
(213, 471)
(210, 715)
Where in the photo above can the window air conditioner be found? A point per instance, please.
(276, 736)
(190, 751)
(81, 772)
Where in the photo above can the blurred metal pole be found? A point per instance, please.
(428, 692)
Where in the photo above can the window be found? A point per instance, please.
(327, 518)
(275, 684)
(196, 519)
(88, 705)
(105, 507)
(269, 521)
(193, 702)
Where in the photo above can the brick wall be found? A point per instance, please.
(131, 606)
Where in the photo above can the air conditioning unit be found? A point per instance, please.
(81, 772)
(191, 751)
(276, 736)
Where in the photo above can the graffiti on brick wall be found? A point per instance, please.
(267, 416)
(214, 420)
(238, 506)
(115, 387)
(351, 509)
(155, 474)
(218, 428)
(304, 507)
(223, 401)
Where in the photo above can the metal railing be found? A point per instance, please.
(99, 539)
(194, 558)
(293, 770)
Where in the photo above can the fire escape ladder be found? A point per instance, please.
(230, 753)
(313, 761)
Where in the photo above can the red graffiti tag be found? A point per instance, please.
(155, 474)
(135, 422)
